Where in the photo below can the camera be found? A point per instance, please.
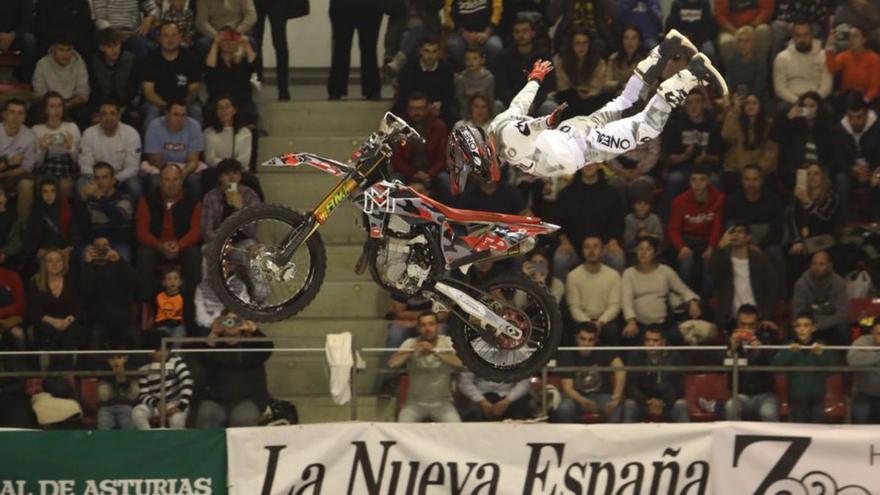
(101, 252)
(231, 321)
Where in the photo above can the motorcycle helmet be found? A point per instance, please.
(469, 151)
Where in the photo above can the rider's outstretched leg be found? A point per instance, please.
(562, 153)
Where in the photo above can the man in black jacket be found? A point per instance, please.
(856, 144)
(514, 64)
(234, 391)
(588, 207)
(431, 76)
(741, 274)
(109, 286)
(655, 394)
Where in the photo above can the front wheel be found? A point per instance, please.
(530, 307)
(245, 270)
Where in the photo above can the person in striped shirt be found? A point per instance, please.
(178, 390)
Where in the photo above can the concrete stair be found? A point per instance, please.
(347, 302)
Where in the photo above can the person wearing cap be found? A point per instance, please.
(546, 147)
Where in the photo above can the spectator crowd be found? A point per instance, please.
(131, 128)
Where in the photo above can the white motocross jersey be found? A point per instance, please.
(516, 133)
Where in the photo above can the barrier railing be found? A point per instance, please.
(732, 364)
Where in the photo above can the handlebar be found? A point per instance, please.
(396, 129)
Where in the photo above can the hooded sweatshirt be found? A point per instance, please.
(698, 220)
(795, 73)
(68, 80)
(850, 146)
(825, 298)
(866, 382)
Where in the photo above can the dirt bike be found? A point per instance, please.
(267, 262)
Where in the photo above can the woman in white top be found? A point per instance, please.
(57, 144)
(647, 291)
(227, 137)
(478, 114)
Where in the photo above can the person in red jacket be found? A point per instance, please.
(734, 14)
(168, 231)
(425, 163)
(860, 65)
(694, 226)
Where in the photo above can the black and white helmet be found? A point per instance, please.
(470, 151)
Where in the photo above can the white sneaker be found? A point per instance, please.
(674, 46)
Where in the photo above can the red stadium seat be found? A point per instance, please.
(709, 386)
(88, 398)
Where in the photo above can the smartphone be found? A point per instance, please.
(801, 178)
(745, 335)
(231, 35)
(232, 187)
(57, 139)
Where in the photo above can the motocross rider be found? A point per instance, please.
(545, 147)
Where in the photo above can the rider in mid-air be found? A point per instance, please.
(545, 147)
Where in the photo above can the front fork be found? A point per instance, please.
(488, 320)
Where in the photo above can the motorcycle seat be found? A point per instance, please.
(458, 215)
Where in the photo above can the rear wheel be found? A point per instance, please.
(527, 305)
(244, 269)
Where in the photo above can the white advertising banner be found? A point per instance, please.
(791, 459)
(470, 458)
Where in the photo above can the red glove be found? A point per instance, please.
(556, 116)
(540, 70)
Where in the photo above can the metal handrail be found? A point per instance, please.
(732, 364)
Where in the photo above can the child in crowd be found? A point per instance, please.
(642, 222)
(806, 389)
(178, 389)
(178, 12)
(169, 306)
(474, 79)
(117, 394)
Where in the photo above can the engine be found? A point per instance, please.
(403, 260)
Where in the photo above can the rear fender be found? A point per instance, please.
(321, 163)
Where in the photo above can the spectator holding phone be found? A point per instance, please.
(105, 210)
(235, 391)
(757, 400)
(229, 196)
(212, 16)
(229, 65)
(804, 136)
(741, 275)
(109, 286)
(57, 144)
(538, 267)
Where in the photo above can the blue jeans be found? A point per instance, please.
(456, 46)
(176, 331)
(117, 416)
(760, 407)
(570, 411)
(678, 413)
